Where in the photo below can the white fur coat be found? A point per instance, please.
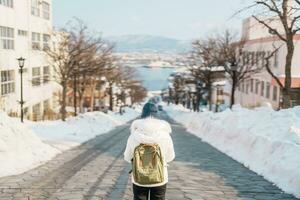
(151, 131)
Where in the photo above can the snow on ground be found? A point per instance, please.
(20, 148)
(76, 130)
(264, 140)
(25, 146)
(129, 114)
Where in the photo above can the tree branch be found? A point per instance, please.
(270, 28)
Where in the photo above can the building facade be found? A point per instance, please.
(261, 88)
(25, 29)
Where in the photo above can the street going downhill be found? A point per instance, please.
(96, 170)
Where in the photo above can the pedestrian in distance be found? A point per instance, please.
(149, 149)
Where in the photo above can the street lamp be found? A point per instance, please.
(233, 69)
(21, 66)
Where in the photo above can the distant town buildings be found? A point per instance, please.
(262, 88)
(150, 59)
(25, 28)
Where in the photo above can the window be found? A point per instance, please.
(257, 58)
(244, 58)
(243, 87)
(275, 93)
(276, 61)
(252, 58)
(35, 8)
(262, 91)
(257, 86)
(268, 88)
(46, 74)
(248, 57)
(6, 38)
(7, 82)
(263, 59)
(36, 76)
(22, 33)
(46, 105)
(247, 88)
(46, 39)
(251, 85)
(46, 10)
(8, 3)
(36, 39)
(36, 111)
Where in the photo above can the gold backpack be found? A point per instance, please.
(147, 165)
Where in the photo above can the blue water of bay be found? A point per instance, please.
(154, 78)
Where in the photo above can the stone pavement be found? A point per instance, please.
(96, 170)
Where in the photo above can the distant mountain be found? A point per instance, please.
(148, 43)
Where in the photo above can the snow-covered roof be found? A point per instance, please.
(219, 83)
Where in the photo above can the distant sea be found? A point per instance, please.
(154, 78)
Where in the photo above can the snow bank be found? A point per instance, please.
(20, 148)
(76, 130)
(129, 114)
(264, 140)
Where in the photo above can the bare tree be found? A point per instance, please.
(102, 67)
(127, 82)
(240, 65)
(204, 64)
(178, 85)
(113, 77)
(137, 92)
(125, 79)
(90, 64)
(76, 55)
(286, 12)
(61, 56)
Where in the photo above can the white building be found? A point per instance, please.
(25, 28)
(262, 88)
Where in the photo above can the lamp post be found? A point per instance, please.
(21, 67)
(233, 69)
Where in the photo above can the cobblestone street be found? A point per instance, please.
(96, 170)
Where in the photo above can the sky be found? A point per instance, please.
(179, 19)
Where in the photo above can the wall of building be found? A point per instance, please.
(261, 88)
(20, 18)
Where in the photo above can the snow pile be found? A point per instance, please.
(264, 140)
(76, 130)
(20, 148)
(128, 115)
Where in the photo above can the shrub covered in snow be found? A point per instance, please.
(264, 140)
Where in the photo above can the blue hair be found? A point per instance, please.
(149, 110)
